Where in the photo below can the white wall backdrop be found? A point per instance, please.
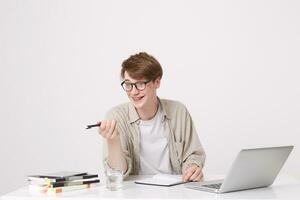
(234, 64)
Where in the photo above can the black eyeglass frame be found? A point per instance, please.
(134, 84)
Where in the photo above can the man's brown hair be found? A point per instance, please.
(142, 65)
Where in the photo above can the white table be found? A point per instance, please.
(285, 187)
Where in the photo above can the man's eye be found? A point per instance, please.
(139, 84)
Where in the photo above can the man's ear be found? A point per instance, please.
(157, 82)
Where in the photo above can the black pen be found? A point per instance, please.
(93, 125)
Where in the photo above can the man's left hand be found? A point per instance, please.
(192, 173)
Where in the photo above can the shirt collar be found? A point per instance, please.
(134, 116)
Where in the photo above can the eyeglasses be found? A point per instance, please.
(140, 85)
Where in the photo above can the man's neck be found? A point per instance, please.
(149, 111)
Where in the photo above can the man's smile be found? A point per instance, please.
(137, 98)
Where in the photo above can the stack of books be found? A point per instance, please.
(61, 181)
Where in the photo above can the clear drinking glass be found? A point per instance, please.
(114, 179)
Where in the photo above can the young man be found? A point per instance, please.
(149, 135)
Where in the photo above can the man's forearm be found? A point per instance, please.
(116, 159)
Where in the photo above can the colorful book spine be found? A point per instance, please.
(67, 188)
(64, 184)
(50, 190)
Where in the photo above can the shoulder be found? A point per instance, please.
(173, 107)
(119, 111)
(172, 103)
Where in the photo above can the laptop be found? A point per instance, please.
(253, 168)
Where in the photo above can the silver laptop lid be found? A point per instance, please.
(254, 168)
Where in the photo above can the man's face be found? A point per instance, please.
(142, 98)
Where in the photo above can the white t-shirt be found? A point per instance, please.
(154, 150)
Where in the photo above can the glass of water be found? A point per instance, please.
(114, 179)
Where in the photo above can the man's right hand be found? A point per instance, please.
(108, 129)
(115, 157)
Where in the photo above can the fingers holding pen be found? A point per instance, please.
(102, 127)
(108, 128)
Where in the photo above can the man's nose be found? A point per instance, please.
(134, 90)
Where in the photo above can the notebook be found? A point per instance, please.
(60, 176)
(161, 180)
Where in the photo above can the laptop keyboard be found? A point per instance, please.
(214, 186)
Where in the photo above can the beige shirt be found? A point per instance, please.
(184, 145)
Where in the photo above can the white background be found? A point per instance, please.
(234, 64)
